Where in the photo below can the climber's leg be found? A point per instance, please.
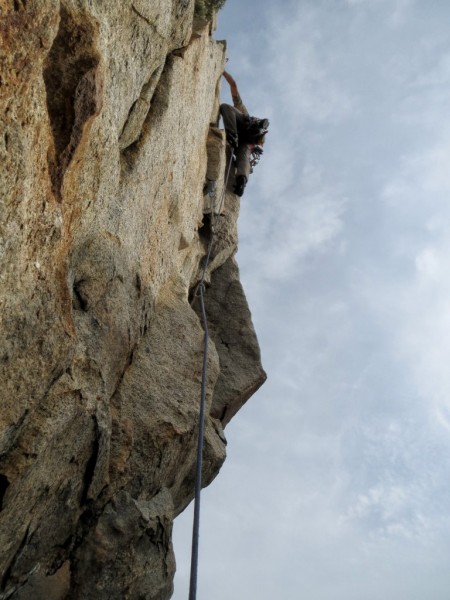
(230, 116)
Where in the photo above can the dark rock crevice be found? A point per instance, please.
(7, 578)
(153, 102)
(19, 5)
(4, 484)
(91, 464)
(73, 88)
(132, 130)
(80, 301)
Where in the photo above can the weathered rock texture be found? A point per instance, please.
(105, 112)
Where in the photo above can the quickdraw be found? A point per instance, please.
(255, 157)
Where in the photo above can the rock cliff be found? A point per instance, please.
(108, 140)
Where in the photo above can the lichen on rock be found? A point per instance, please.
(109, 141)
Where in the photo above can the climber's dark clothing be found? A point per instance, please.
(235, 122)
(245, 134)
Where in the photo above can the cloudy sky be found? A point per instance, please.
(337, 483)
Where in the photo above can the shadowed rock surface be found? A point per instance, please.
(108, 114)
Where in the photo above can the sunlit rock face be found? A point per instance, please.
(108, 140)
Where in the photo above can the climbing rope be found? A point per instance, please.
(200, 293)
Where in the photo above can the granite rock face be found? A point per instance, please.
(108, 142)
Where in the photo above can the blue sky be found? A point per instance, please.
(337, 480)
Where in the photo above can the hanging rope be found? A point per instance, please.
(200, 293)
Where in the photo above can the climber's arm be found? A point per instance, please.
(237, 100)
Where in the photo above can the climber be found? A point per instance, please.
(245, 134)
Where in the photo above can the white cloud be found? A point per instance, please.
(302, 219)
(416, 304)
(400, 12)
(305, 81)
(428, 266)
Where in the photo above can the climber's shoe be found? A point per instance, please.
(239, 186)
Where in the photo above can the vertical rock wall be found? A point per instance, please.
(105, 112)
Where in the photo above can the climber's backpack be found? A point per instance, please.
(256, 130)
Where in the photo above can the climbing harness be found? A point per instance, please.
(200, 293)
